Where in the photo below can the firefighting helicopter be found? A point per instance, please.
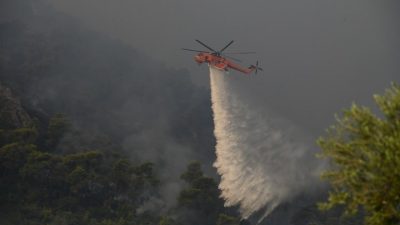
(220, 61)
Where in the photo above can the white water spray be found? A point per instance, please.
(258, 157)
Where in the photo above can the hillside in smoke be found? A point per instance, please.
(56, 65)
(94, 132)
(110, 127)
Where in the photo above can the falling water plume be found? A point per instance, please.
(260, 159)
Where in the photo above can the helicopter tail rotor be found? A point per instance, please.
(256, 68)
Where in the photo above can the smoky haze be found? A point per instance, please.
(318, 55)
(114, 94)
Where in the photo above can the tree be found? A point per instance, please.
(364, 151)
(58, 126)
(202, 193)
(224, 219)
(166, 221)
(91, 188)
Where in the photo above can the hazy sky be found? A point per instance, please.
(318, 55)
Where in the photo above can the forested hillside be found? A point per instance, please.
(93, 187)
(94, 132)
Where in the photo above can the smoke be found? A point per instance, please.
(170, 158)
(263, 160)
(118, 98)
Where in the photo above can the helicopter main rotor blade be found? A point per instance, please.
(234, 59)
(193, 50)
(237, 53)
(208, 47)
(226, 46)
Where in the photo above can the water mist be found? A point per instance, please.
(262, 159)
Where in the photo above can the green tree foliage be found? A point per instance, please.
(202, 193)
(93, 187)
(227, 220)
(88, 188)
(192, 173)
(201, 200)
(26, 135)
(58, 126)
(364, 150)
(166, 221)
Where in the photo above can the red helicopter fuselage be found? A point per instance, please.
(217, 60)
(221, 63)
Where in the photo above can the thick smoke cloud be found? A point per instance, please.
(263, 160)
(107, 88)
(318, 55)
